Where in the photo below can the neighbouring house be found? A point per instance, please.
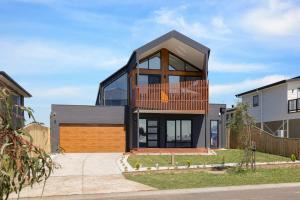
(159, 99)
(276, 107)
(18, 95)
(229, 114)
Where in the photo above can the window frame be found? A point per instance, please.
(255, 104)
(137, 82)
(176, 142)
(113, 80)
(146, 59)
(296, 104)
(185, 64)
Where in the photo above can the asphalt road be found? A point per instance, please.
(258, 192)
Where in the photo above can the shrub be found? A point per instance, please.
(137, 165)
(293, 157)
(188, 163)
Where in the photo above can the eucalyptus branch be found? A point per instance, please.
(21, 163)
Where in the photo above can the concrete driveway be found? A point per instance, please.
(85, 173)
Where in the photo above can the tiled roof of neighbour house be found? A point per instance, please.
(268, 86)
(17, 87)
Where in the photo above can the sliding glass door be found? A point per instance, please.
(179, 133)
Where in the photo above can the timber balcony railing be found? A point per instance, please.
(189, 96)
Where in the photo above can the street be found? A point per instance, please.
(289, 191)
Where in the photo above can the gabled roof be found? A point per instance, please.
(268, 86)
(13, 84)
(173, 34)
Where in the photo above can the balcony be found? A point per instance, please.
(188, 96)
(294, 105)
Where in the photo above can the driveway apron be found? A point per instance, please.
(85, 173)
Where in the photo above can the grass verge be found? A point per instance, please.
(229, 156)
(205, 179)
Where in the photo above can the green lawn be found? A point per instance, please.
(230, 156)
(205, 179)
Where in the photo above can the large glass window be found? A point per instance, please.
(174, 88)
(148, 79)
(178, 79)
(186, 130)
(179, 133)
(152, 62)
(174, 79)
(115, 94)
(171, 131)
(178, 64)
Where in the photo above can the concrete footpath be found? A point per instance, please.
(289, 191)
(85, 173)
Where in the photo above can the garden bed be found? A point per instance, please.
(221, 157)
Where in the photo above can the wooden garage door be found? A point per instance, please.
(75, 138)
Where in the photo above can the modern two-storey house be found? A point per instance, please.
(18, 94)
(276, 107)
(162, 94)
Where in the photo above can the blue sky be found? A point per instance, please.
(60, 50)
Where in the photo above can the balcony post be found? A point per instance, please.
(138, 109)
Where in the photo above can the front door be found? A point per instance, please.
(148, 133)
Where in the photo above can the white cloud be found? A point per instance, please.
(44, 96)
(234, 88)
(274, 18)
(171, 18)
(64, 91)
(174, 19)
(219, 24)
(216, 66)
(47, 57)
(78, 94)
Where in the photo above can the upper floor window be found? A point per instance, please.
(153, 62)
(178, 79)
(115, 94)
(17, 100)
(148, 79)
(255, 101)
(178, 64)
